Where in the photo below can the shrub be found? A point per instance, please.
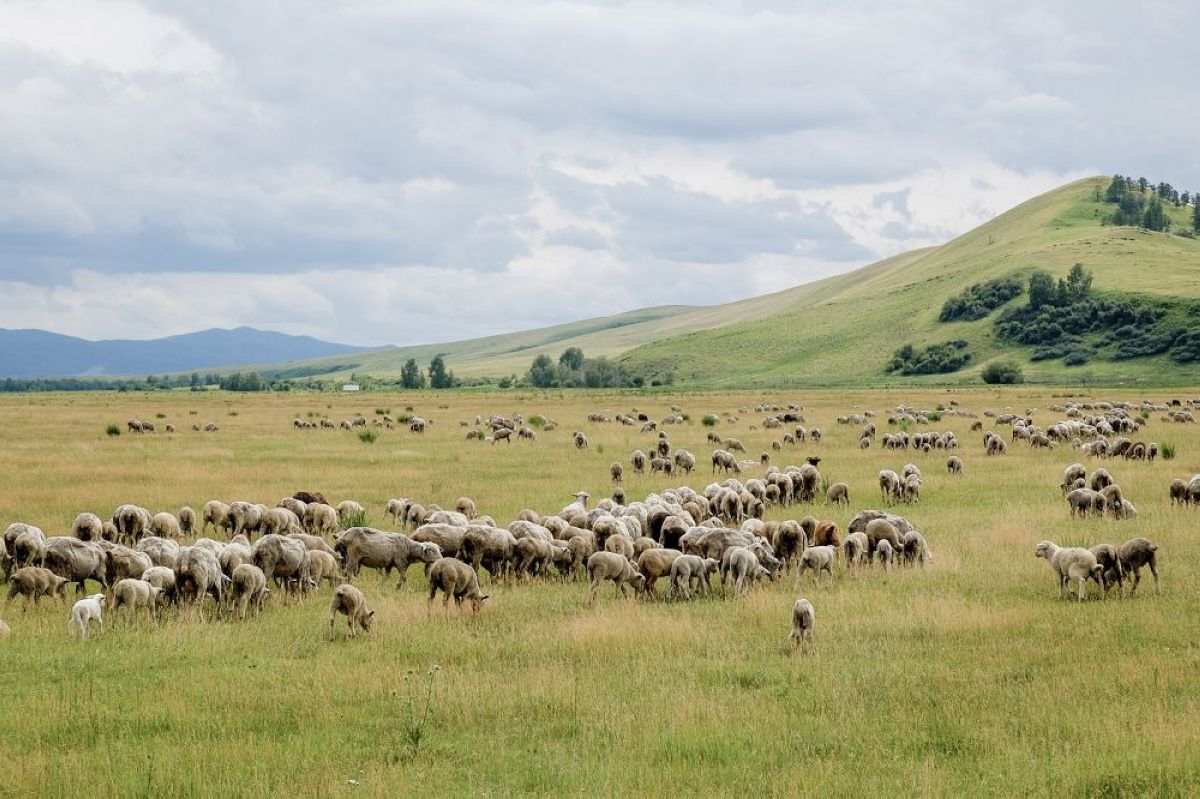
(981, 299)
(113, 430)
(367, 436)
(709, 420)
(537, 420)
(948, 356)
(355, 519)
(382, 411)
(1003, 373)
(160, 416)
(1167, 451)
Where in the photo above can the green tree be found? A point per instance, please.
(195, 380)
(438, 376)
(572, 359)
(1155, 217)
(1196, 216)
(1079, 283)
(410, 375)
(1003, 373)
(542, 373)
(1041, 289)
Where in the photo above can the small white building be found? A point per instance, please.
(350, 387)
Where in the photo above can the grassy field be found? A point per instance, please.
(966, 678)
(842, 330)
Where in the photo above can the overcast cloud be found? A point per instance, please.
(404, 172)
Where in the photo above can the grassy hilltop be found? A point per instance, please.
(843, 330)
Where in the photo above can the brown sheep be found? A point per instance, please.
(455, 579)
(350, 601)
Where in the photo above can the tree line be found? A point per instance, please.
(1141, 203)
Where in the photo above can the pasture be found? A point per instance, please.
(968, 677)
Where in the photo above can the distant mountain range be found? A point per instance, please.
(40, 353)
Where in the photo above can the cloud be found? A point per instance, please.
(166, 166)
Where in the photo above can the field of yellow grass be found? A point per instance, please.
(970, 677)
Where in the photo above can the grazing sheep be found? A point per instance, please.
(817, 559)
(855, 549)
(33, 583)
(1083, 501)
(198, 574)
(1110, 565)
(350, 601)
(1179, 492)
(165, 525)
(282, 559)
(216, 513)
(581, 440)
(377, 549)
(87, 527)
(455, 579)
(1133, 555)
(1071, 563)
(616, 471)
(638, 460)
(838, 494)
(954, 465)
(603, 566)
(802, 622)
(655, 563)
(163, 579)
(187, 521)
(1100, 479)
(741, 567)
(914, 548)
(84, 613)
(75, 560)
(883, 551)
(881, 530)
(690, 571)
(323, 566)
(134, 594)
(249, 588)
(348, 508)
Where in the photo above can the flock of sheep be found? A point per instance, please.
(679, 534)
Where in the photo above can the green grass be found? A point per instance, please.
(842, 330)
(966, 678)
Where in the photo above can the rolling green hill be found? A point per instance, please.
(844, 329)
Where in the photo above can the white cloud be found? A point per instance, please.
(378, 172)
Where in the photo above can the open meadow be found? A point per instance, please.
(966, 677)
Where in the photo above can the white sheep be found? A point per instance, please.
(802, 621)
(818, 559)
(884, 551)
(84, 612)
(1071, 563)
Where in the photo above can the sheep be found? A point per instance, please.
(655, 563)
(24, 543)
(347, 508)
(616, 471)
(77, 561)
(1133, 555)
(165, 525)
(376, 549)
(84, 613)
(620, 544)
(954, 465)
(282, 558)
(818, 559)
(914, 548)
(323, 565)
(740, 566)
(448, 537)
(838, 494)
(197, 574)
(912, 488)
(684, 461)
(883, 551)
(1179, 492)
(187, 521)
(160, 551)
(534, 556)
(249, 588)
(802, 622)
(455, 579)
(125, 563)
(689, 570)
(397, 508)
(33, 583)
(581, 440)
(1084, 500)
(603, 566)
(1071, 563)
(134, 594)
(1110, 565)
(855, 548)
(87, 527)
(216, 513)
(350, 601)
(638, 461)
(890, 487)
(163, 579)
(1100, 479)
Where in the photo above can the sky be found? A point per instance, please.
(406, 172)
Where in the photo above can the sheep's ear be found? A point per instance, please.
(485, 596)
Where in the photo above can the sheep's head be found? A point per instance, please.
(367, 618)
(429, 552)
(1045, 549)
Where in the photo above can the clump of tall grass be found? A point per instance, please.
(354, 519)
(1167, 451)
(367, 436)
(709, 420)
(115, 430)
(417, 709)
(537, 420)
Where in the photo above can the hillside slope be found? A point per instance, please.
(844, 330)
